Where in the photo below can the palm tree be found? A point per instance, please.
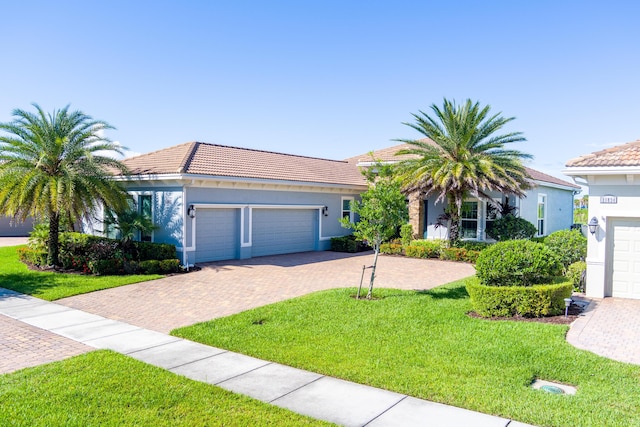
(462, 156)
(57, 166)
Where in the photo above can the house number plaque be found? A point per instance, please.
(608, 199)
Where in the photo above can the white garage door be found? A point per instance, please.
(625, 275)
(217, 234)
(283, 231)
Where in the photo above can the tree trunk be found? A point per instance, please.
(373, 270)
(54, 225)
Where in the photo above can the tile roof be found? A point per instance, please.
(199, 158)
(621, 155)
(388, 155)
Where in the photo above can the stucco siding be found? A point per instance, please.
(559, 208)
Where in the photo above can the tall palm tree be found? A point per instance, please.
(462, 156)
(57, 166)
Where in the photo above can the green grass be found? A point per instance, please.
(423, 344)
(107, 389)
(52, 286)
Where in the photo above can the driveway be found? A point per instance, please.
(223, 288)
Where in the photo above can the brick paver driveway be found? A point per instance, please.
(224, 288)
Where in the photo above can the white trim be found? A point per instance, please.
(554, 185)
(602, 170)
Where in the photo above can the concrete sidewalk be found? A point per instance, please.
(307, 393)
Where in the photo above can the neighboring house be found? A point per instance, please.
(613, 257)
(217, 203)
(10, 227)
(548, 204)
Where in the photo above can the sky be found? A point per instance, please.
(330, 79)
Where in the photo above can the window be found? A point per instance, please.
(542, 214)
(469, 220)
(145, 206)
(346, 208)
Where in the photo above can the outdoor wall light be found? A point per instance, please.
(325, 210)
(191, 212)
(593, 225)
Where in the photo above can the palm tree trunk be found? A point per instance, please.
(54, 226)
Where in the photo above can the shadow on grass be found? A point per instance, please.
(457, 292)
(26, 283)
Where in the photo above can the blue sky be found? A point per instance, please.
(328, 79)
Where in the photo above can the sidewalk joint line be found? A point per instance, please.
(385, 411)
(298, 388)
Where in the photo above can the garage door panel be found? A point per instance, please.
(625, 275)
(217, 234)
(282, 231)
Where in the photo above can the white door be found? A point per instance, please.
(625, 271)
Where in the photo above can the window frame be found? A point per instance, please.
(542, 225)
(349, 211)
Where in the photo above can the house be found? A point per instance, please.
(548, 204)
(217, 202)
(10, 227)
(613, 254)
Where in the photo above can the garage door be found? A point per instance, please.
(625, 281)
(283, 231)
(217, 234)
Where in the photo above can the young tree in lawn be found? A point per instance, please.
(57, 166)
(462, 156)
(381, 211)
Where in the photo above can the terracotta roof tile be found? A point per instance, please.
(621, 155)
(388, 155)
(199, 158)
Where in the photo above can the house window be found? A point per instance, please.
(346, 208)
(469, 220)
(542, 214)
(145, 209)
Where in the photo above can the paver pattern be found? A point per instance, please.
(23, 346)
(224, 288)
(610, 328)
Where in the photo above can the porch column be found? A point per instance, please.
(416, 215)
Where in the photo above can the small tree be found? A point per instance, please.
(382, 210)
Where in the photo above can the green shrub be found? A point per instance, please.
(347, 244)
(406, 234)
(576, 273)
(38, 237)
(36, 257)
(459, 254)
(391, 248)
(517, 263)
(149, 251)
(106, 267)
(569, 245)
(529, 301)
(511, 228)
(472, 245)
(170, 266)
(424, 249)
(151, 266)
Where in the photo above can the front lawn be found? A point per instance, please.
(108, 389)
(424, 344)
(52, 286)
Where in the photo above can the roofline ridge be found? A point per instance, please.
(188, 158)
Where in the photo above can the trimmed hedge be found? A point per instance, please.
(32, 256)
(569, 245)
(576, 273)
(459, 254)
(517, 263)
(511, 227)
(158, 251)
(391, 248)
(347, 244)
(528, 301)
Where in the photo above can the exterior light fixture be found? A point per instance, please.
(325, 210)
(593, 225)
(191, 212)
(567, 303)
